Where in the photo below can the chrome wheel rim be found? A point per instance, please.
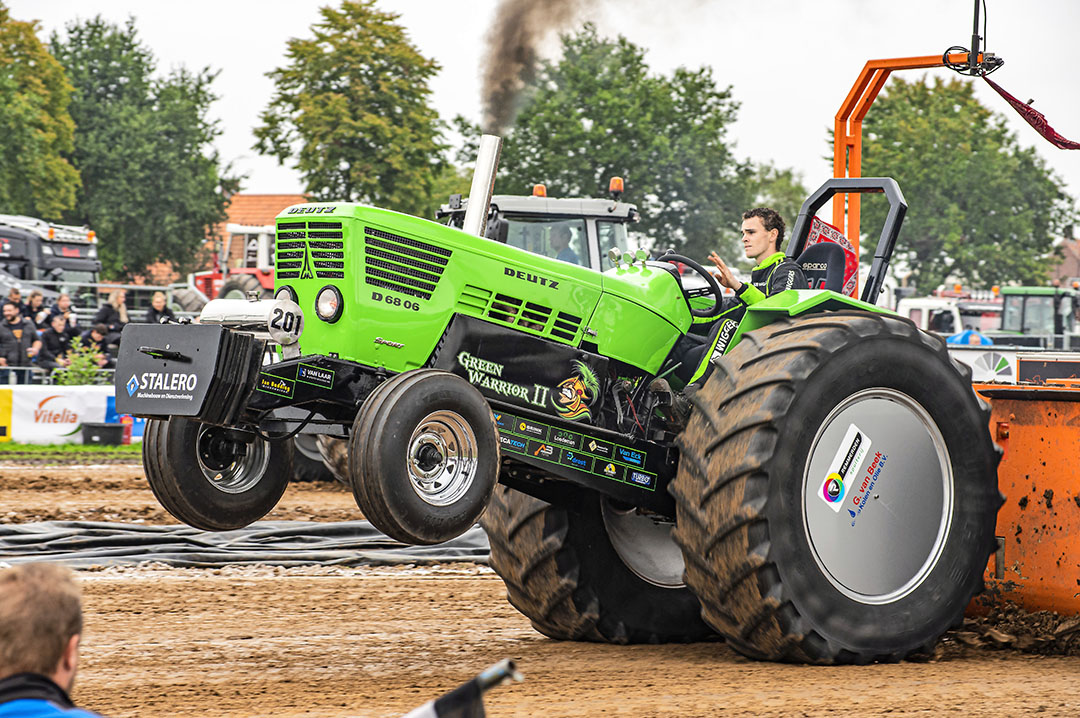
(442, 460)
(644, 545)
(241, 474)
(877, 531)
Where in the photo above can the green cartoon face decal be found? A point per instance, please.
(575, 395)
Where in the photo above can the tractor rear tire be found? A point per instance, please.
(208, 499)
(836, 493)
(237, 286)
(423, 456)
(335, 457)
(562, 569)
(307, 460)
(188, 300)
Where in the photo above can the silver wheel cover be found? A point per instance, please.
(880, 539)
(240, 475)
(644, 545)
(442, 461)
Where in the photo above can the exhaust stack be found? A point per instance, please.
(483, 184)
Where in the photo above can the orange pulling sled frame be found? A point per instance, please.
(1037, 562)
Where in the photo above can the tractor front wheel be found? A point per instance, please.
(593, 572)
(423, 456)
(209, 480)
(836, 492)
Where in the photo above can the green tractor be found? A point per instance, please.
(815, 482)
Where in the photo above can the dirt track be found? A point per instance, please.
(379, 641)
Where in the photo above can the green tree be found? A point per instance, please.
(35, 126)
(351, 108)
(981, 208)
(781, 189)
(599, 112)
(153, 185)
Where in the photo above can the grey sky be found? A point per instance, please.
(790, 62)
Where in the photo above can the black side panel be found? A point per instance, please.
(526, 371)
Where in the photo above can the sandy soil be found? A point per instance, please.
(322, 641)
(120, 493)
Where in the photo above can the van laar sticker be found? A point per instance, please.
(844, 468)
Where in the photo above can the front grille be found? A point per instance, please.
(308, 254)
(402, 264)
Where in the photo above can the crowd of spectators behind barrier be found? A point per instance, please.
(34, 334)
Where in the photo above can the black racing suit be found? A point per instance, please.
(775, 274)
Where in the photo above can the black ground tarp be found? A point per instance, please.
(81, 544)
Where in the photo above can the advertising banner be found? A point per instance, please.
(54, 414)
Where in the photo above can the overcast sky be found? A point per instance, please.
(790, 62)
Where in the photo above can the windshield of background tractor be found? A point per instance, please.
(611, 234)
(1011, 313)
(1039, 315)
(562, 239)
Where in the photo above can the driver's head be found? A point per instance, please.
(560, 237)
(763, 232)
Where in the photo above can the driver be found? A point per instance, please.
(763, 233)
(560, 243)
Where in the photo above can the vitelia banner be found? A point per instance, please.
(50, 414)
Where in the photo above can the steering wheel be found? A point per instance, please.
(710, 280)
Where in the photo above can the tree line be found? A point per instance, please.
(92, 133)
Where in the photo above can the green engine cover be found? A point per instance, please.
(402, 279)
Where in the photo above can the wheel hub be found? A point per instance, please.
(442, 460)
(228, 464)
(877, 496)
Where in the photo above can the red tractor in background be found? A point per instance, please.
(255, 273)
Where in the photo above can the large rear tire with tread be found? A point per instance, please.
(836, 492)
(188, 300)
(335, 456)
(209, 498)
(423, 456)
(237, 286)
(564, 572)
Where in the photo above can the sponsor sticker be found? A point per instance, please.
(600, 448)
(316, 376)
(576, 459)
(276, 385)
(566, 438)
(514, 444)
(641, 478)
(542, 450)
(132, 385)
(844, 469)
(629, 456)
(531, 428)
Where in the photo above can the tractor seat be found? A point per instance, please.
(823, 266)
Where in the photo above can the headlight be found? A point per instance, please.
(328, 304)
(286, 292)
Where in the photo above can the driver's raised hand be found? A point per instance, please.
(727, 277)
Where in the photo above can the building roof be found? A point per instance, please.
(259, 209)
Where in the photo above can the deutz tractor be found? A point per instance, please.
(815, 482)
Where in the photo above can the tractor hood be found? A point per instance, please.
(654, 287)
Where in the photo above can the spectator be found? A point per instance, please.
(19, 341)
(113, 314)
(55, 344)
(158, 309)
(36, 311)
(40, 631)
(15, 295)
(95, 337)
(64, 308)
